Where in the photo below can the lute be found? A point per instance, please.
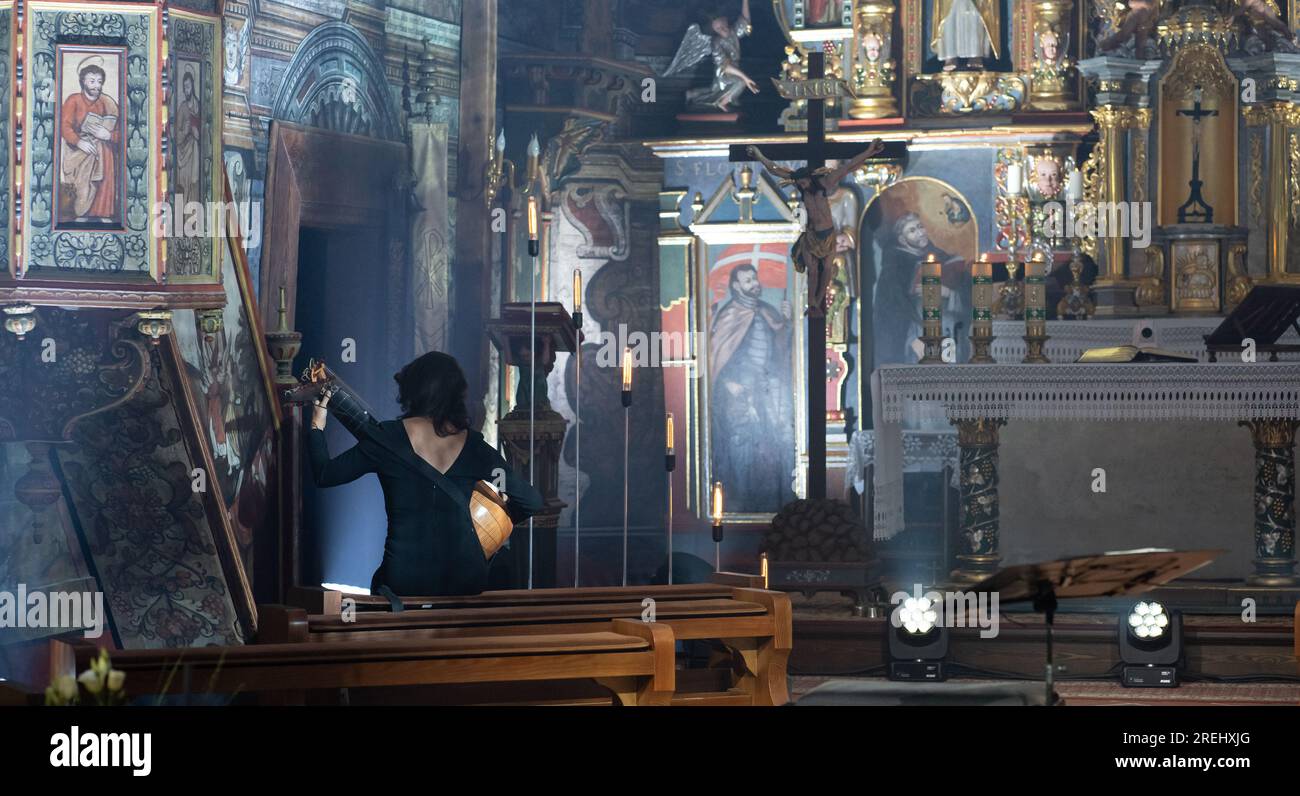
(487, 506)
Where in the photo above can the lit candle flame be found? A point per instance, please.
(627, 370)
(577, 290)
(532, 218)
(717, 502)
(668, 434)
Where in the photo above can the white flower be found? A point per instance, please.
(91, 680)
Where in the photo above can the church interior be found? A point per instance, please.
(854, 351)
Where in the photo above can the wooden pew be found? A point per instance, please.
(320, 601)
(632, 660)
(754, 624)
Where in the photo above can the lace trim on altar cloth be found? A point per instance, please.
(1132, 391)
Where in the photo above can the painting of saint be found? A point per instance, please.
(188, 133)
(966, 32)
(751, 377)
(907, 222)
(90, 148)
(822, 13)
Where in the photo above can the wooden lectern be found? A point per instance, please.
(512, 334)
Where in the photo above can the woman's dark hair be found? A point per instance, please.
(434, 386)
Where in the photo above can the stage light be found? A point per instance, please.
(917, 641)
(1150, 645)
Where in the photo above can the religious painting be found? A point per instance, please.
(910, 220)
(187, 131)
(92, 142)
(195, 144)
(229, 380)
(751, 295)
(815, 13)
(6, 159)
(91, 154)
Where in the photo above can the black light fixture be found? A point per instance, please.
(1150, 646)
(918, 643)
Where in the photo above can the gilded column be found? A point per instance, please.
(873, 71)
(1104, 182)
(1050, 84)
(1274, 501)
(978, 473)
(1284, 172)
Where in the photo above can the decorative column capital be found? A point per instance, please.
(1271, 433)
(979, 432)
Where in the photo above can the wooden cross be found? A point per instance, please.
(816, 151)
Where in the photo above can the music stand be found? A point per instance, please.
(1104, 575)
(1263, 316)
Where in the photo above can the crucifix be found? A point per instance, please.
(1195, 210)
(814, 251)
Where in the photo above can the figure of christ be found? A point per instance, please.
(749, 370)
(189, 132)
(87, 164)
(814, 251)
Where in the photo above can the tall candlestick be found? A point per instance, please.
(717, 526)
(670, 464)
(931, 309)
(577, 426)
(981, 334)
(627, 412)
(534, 246)
(1035, 308)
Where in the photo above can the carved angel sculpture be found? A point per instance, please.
(1132, 20)
(724, 47)
(1263, 21)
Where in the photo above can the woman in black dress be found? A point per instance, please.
(431, 548)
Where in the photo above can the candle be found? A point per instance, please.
(1036, 289)
(717, 503)
(981, 331)
(981, 272)
(1035, 308)
(668, 434)
(533, 151)
(1074, 186)
(501, 143)
(931, 312)
(1015, 179)
(627, 370)
(577, 291)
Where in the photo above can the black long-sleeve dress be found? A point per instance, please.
(431, 548)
